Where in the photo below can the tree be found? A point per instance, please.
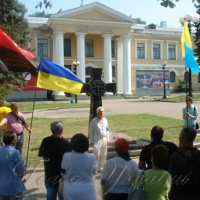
(140, 21)
(165, 3)
(14, 24)
(197, 35)
(46, 4)
(40, 14)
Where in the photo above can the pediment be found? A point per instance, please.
(94, 12)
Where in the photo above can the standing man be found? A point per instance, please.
(16, 122)
(184, 166)
(99, 134)
(156, 139)
(3, 111)
(190, 113)
(52, 150)
(12, 169)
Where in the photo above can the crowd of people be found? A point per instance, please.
(168, 171)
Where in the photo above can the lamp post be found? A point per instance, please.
(191, 20)
(75, 64)
(163, 67)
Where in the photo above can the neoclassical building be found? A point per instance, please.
(97, 36)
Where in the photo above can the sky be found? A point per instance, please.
(148, 10)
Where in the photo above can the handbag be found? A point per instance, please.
(138, 191)
(197, 125)
(61, 186)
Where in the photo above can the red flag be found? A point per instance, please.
(15, 58)
(27, 53)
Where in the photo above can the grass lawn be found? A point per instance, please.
(137, 126)
(38, 105)
(195, 97)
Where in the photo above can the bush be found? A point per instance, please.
(180, 86)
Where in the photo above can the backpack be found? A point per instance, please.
(190, 178)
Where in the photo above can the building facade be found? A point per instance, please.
(99, 37)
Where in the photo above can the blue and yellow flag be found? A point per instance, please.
(187, 52)
(54, 77)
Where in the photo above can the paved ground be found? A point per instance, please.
(119, 106)
(35, 185)
(36, 189)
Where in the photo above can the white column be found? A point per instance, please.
(146, 49)
(58, 54)
(127, 65)
(161, 50)
(107, 58)
(176, 50)
(48, 47)
(167, 50)
(135, 48)
(119, 66)
(53, 51)
(151, 49)
(36, 45)
(81, 55)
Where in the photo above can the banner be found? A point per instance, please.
(152, 79)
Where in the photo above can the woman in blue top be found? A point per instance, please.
(78, 169)
(119, 173)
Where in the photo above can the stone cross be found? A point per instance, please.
(96, 88)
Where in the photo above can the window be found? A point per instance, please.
(113, 48)
(186, 77)
(67, 47)
(42, 47)
(113, 71)
(156, 51)
(89, 48)
(172, 77)
(68, 67)
(199, 77)
(140, 51)
(88, 71)
(171, 52)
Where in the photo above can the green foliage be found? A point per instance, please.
(168, 3)
(14, 24)
(180, 86)
(46, 4)
(197, 36)
(140, 21)
(40, 14)
(10, 81)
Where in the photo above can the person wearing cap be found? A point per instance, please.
(119, 173)
(3, 111)
(99, 135)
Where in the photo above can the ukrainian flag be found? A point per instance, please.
(187, 52)
(54, 77)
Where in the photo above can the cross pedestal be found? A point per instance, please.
(96, 88)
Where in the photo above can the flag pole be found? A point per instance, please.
(29, 138)
(186, 89)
